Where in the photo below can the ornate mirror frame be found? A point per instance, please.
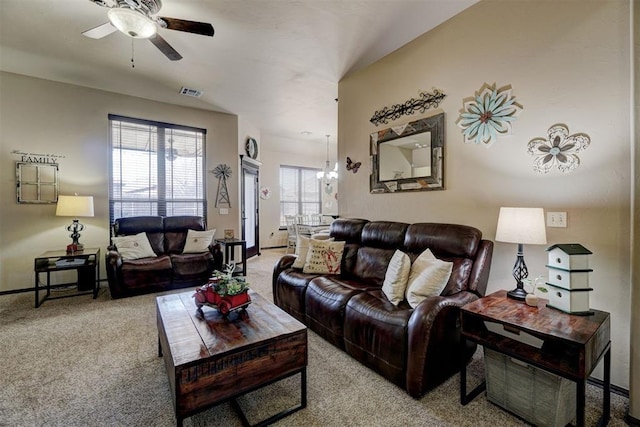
(434, 126)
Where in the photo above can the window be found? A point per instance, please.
(299, 192)
(156, 169)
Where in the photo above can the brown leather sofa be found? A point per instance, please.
(170, 268)
(416, 349)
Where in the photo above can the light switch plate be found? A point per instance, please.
(224, 211)
(556, 219)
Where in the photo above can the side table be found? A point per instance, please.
(229, 254)
(86, 263)
(570, 346)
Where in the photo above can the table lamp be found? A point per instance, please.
(75, 206)
(521, 226)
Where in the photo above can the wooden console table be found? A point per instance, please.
(570, 345)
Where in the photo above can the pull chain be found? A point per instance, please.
(133, 64)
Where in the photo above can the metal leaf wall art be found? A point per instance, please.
(422, 104)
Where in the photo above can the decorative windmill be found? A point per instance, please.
(222, 172)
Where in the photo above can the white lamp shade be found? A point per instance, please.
(75, 206)
(132, 23)
(521, 225)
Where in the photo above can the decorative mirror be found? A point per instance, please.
(408, 157)
(36, 182)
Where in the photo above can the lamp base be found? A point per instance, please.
(517, 293)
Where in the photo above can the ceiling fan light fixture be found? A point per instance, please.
(132, 23)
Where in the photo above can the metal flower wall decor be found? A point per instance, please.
(558, 149)
(488, 114)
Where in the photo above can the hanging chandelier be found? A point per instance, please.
(328, 174)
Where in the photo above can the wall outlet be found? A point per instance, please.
(556, 219)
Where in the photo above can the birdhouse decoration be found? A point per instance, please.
(568, 266)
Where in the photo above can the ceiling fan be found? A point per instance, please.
(136, 18)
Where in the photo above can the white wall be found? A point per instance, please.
(40, 116)
(275, 152)
(567, 63)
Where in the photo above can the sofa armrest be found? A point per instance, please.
(434, 341)
(113, 266)
(479, 276)
(282, 264)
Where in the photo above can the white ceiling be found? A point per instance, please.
(277, 63)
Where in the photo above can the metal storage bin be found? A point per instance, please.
(537, 396)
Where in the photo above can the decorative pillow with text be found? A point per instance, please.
(428, 277)
(198, 241)
(323, 257)
(134, 247)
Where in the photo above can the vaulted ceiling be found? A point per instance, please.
(276, 63)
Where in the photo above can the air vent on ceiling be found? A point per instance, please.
(191, 92)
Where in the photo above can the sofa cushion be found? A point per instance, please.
(375, 333)
(428, 277)
(396, 277)
(325, 300)
(198, 241)
(323, 257)
(152, 225)
(190, 265)
(175, 231)
(133, 247)
(369, 260)
(139, 273)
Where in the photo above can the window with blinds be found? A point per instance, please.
(300, 192)
(156, 169)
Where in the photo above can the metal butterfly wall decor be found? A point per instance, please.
(353, 167)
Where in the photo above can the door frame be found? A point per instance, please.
(251, 167)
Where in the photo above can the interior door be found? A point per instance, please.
(250, 208)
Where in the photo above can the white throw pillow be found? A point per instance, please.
(428, 277)
(323, 257)
(302, 248)
(396, 277)
(198, 241)
(134, 247)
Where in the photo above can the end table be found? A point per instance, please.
(86, 263)
(571, 345)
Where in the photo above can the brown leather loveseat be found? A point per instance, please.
(415, 348)
(169, 268)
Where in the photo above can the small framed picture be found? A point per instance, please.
(228, 234)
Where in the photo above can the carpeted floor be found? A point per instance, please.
(85, 362)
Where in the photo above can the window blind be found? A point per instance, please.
(299, 192)
(156, 169)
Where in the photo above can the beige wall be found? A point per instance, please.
(40, 116)
(634, 386)
(567, 63)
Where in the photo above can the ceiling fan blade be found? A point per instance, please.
(201, 28)
(100, 31)
(165, 48)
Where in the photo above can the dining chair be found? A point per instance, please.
(292, 232)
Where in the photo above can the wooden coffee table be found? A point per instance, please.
(215, 359)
